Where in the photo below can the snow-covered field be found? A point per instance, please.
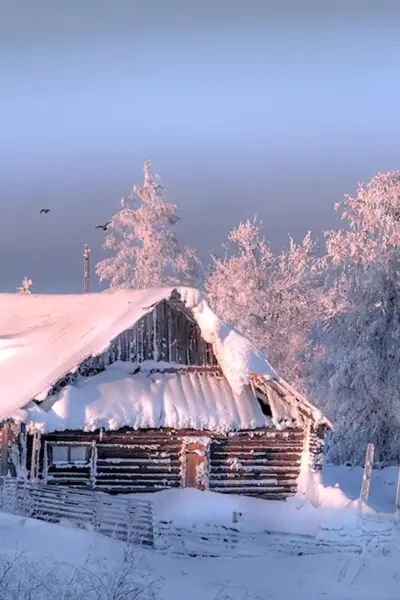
(64, 562)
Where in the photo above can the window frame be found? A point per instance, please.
(69, 446)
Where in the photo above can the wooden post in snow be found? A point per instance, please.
(4, 448)
(34, 456)
(369, 461)
(86, 252)
(398, 495)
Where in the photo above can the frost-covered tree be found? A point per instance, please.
(273, 299)
(354, 355)
(25, 288)
(145, 246)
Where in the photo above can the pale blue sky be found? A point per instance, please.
(243, 107)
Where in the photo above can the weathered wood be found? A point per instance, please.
(369, 461)
(260, 465)
(131, 520)
(167, 333)
(195, 461)
(4, 434)
(86, 253)
(398, 493)
(252, 463)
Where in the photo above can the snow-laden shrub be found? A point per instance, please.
(24, 577)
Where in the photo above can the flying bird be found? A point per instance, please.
(44, 211)
(103, 227)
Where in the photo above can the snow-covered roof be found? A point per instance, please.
(118, 398)
(44, 337)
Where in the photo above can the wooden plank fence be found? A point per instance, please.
(127, 519)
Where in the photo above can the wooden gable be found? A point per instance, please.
(168, 333)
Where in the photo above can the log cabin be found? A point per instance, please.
(145, 390)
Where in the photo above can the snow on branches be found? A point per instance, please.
(25, 287)
(354, 356)
(146, 249)
(273, 299)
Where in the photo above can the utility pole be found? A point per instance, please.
(86, 252)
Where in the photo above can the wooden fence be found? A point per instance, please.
(127, 519)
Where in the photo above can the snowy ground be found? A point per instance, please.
(64, 556)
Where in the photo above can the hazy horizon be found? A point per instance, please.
(245, 108)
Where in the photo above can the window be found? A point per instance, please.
(77, 454)
(60, 454)
(69, 454)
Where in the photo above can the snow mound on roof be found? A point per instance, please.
(44, 337)
(116, 398)
(236, 355)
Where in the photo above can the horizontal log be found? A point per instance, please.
(138, 489)
(67, 477)
(139, 481)
(66, 482)
(139, 454)
(140, 468)
(254, 458)
(111, 439)
(137, 476)
(278, 446)
(260, 464)
(73, 471)
(238, 483)
(256, 453)
(266, 496)
(260, 445)
(171, 461)
(272, 462)
(223, 477)
(111, 448)
(272, 490)
(260, 440)
(269, 432)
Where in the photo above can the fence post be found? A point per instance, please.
(96, 522)
(397, 512)
(369, 461)
(86, 253)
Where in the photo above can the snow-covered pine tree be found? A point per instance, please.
(273, 299)
(25, 288)
(354, 356)
(146, 249)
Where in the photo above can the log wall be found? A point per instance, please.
(117, 462)
(264, 463)
(3, 450)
